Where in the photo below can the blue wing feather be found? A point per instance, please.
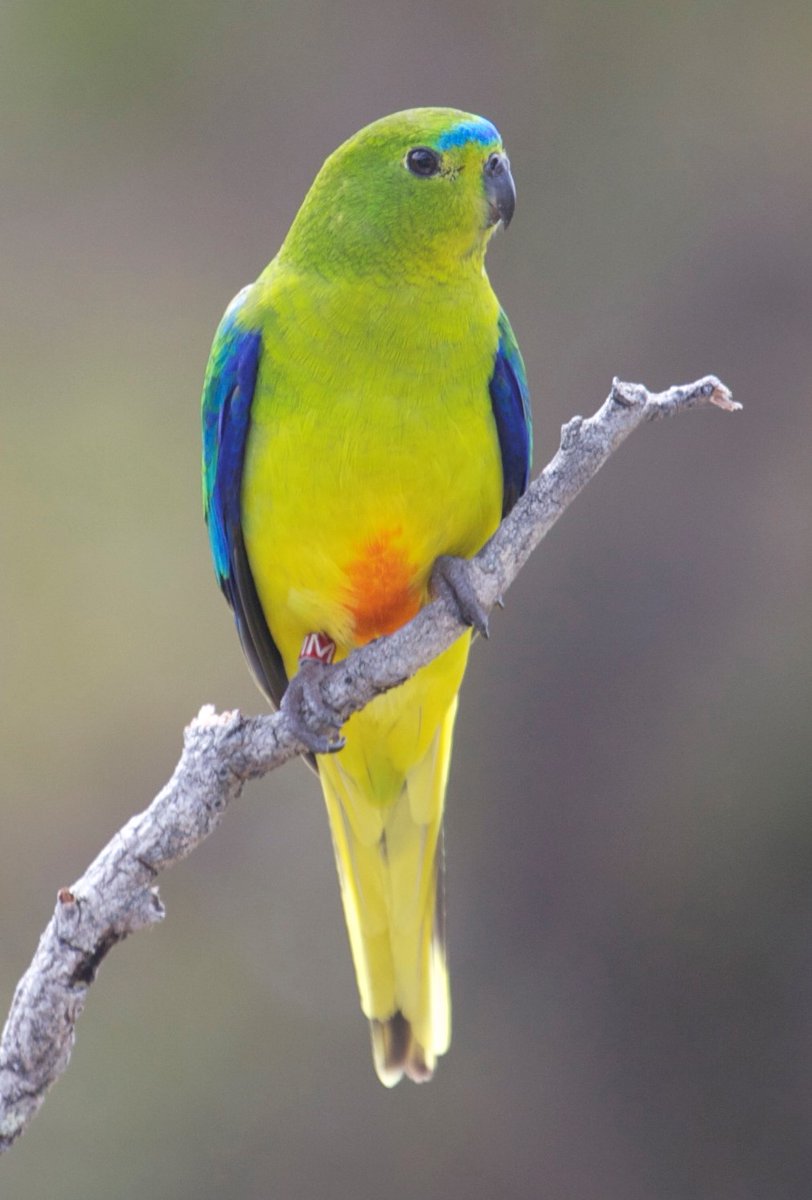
(510, 400)
(228, 393)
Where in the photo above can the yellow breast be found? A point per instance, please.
(370, 454)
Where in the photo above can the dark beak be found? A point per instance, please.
(500, 189)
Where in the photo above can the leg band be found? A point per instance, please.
(318, 647)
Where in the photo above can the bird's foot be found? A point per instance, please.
(313, 722)
(451, 579)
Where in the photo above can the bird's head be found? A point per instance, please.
(414, 194)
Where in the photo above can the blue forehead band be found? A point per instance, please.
(468, 131)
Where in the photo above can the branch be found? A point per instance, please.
(115, 896)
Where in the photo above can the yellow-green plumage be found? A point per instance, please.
(373, 449)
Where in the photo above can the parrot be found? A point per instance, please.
(366, 427)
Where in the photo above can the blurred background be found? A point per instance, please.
(629, 827)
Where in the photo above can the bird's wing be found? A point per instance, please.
(228, 392)
(510, 400)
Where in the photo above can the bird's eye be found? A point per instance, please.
(422, 161)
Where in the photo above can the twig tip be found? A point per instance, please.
(722, 397)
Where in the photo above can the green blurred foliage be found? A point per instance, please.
(630, 834)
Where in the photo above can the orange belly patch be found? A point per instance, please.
(383, 594)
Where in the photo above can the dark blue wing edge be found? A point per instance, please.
(226, 413)
(510, 400)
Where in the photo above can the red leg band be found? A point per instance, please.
(317, 646)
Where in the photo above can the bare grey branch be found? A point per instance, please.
(116, 895)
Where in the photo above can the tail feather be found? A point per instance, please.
(390, 864)
(396, 1052)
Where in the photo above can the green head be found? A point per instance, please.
(416, 194)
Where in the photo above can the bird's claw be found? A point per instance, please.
(451, 579)
(312, 722)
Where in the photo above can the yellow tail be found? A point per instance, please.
(387, 834)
